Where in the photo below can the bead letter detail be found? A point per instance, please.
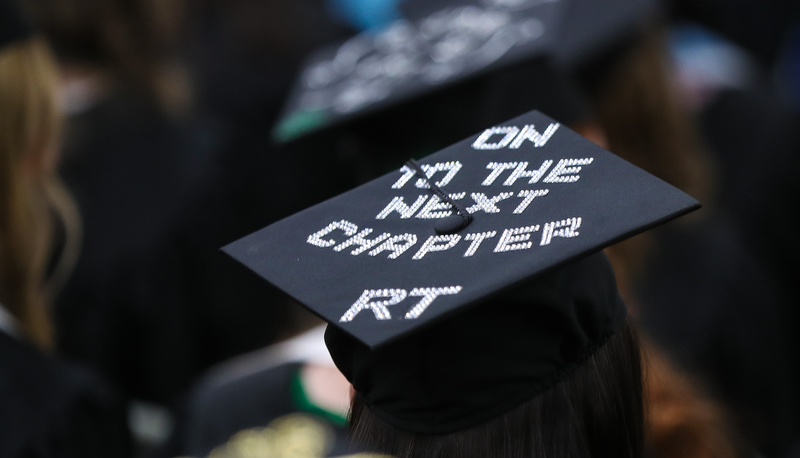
(513, 137)
(394, 296)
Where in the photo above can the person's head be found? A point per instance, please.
(30, 192)
(133, 41)
(596, 411)
(549, 368)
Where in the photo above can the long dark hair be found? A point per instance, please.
(596, 411)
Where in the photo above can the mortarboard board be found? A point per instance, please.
(13, 26)
(525, 201)
(539, 195)
(447, 43)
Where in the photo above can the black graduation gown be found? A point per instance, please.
(52, 409)
(261, 401)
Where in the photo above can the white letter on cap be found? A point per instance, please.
(378, 307)
(434, 244)
(407, 175)
(316, 238)
(565, 170)
(397, 249)
(452, 167)
(436, 209)
(515, 239)
(428, 295)
(488, 205)
(509, 133)
(477, 238)
(363, 243)
(398, 205)
(529, 133)
(528, 198)
(520, 172)
(497, 168)
(568, 228)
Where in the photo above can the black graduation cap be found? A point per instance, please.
(445, 43)
(459, 286)
(380, 261)
(13, 26)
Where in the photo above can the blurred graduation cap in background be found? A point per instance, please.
(457, 51)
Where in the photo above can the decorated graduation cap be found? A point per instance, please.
(13, 26)
(443, 44)
(459, 285)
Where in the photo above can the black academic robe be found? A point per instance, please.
(49, 408)
(256, 406)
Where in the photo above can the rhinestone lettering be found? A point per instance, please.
(436, 209)
(528, 198)
(398, 205)
(488, 205)
(452, 167)
(534, 175)
(515, 239)
(564, 228)
(497, 168)
(437, 243)
(394, 245)
(477, 238)
(566, 169)
(428, 295)
(508, 132)
(529, 133)
(344, 225)
(363, 243)
(379, 308)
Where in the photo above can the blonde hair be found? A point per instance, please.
(30, 191)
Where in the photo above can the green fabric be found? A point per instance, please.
(303, 403)
(298, 124)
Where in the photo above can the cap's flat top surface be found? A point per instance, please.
(540, 195)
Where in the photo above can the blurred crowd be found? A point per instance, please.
(151, 123)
